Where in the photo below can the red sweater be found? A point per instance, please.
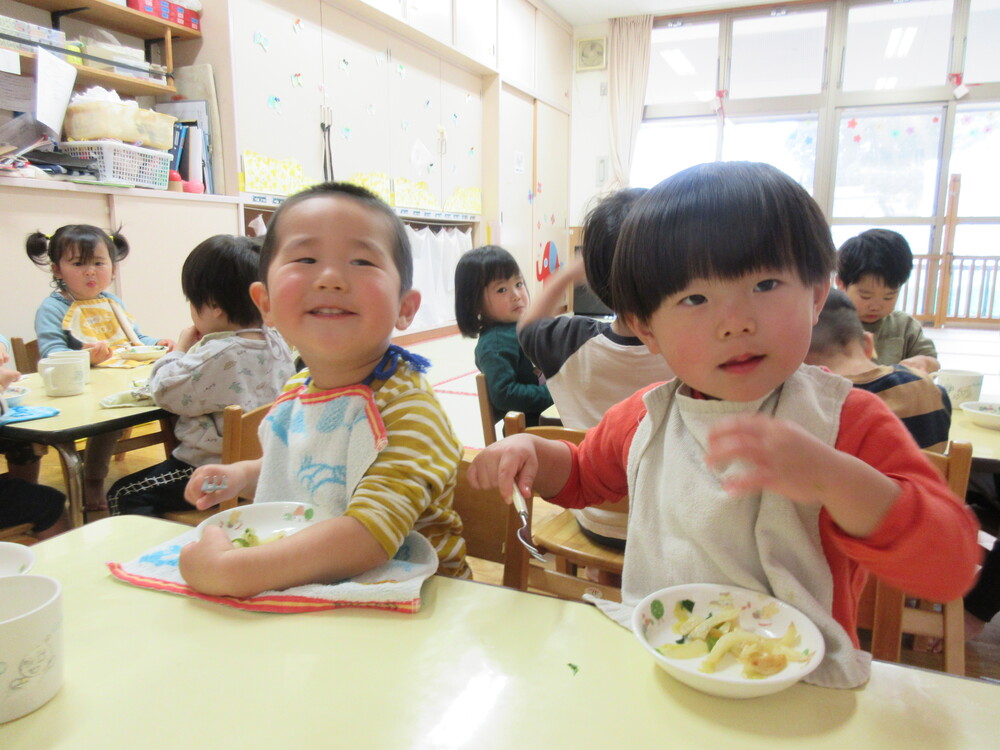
(926, 545)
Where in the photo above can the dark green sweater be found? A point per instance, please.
(510, 376)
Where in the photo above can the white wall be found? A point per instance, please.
(590, 132)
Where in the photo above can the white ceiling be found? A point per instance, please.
(583, 12)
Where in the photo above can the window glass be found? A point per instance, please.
(789, 143)
(887, 162)
(982, 63)
(665, 147)
(683, 63)
(974, 280)
(975, 154)
(897, 45)
(778, 55)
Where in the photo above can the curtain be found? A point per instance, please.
(628, 69)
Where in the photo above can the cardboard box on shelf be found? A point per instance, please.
(93, 121)
(168, 11)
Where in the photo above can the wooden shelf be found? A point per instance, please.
(86, 76)
(118, 18)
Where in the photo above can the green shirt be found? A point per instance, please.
(897, 337)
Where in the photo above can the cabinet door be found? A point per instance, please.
(278, 74)
(415, 126)
(517, 42)
(461, 163)
(357, 89)
(433, 17)
(393, 8)
(551, 234)
(476, 30)
(553, 61)
(517, 178)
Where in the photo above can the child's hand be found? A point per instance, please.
(500, 464)
(188, 338)
(4, 355)
(169, 343)
(98, 352)
(776, 455)
(235, 481)
(7, 376)
(201, 563)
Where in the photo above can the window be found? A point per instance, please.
(788, 143)
(897, 45)
(666, 147)
(887, 162)
(982, 63)
(683, 63)
(975, 154)
(779, 55)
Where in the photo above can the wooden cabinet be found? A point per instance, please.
(476, 30)
(110, 15)
(553, 61)
(517, 43)
(432, 17)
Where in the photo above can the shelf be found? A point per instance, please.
(267, 202)
(108, 79)
(118, 18)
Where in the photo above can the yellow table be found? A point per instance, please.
(79, 417)
(478, 667)
(985, 442)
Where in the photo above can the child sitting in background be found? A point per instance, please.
(360, 432)
(228, 357)
(490, 297)
(842, 346)
(82, 314)
(749, 468)
(590, 365)
(22, 499)
(870, 270)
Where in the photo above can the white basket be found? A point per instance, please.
(119, 162)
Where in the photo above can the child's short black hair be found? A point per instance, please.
(881, 253)
(720, 220)
(477, 269)
(401, 253)
(600, 234)
(838, 326)
(45, 251)
(219, 271)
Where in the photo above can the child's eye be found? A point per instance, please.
(694, 299)
(501, 290)
(766, 286)
(306, 260)
(362, 262)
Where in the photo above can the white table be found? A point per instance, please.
(479, 666)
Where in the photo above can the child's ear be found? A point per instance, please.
(55, 271)
(409, 303)
(642, 330)
(258, 293)
(841, 285)
(820, 292)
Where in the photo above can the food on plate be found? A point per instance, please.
(249, 538)
(718, 633)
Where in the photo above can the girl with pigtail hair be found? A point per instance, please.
(81, 314)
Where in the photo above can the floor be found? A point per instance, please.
(453, 376)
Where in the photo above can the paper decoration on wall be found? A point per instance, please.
(538, 225)
(538, 188)
(344, 65)
(414, 194)
(345, 133)
(274, 102)
(550, 262)
(405, 125)
(454, 117)
(552, 219)
(420, 156)
(531, 198)
(297, 25)
(472, 150)
(262, 174)
(370, 109)
(468, 98)
(518, 162)
(261, 40)
(380, 58)
(427, 104)
(400, 70)
(377, 182)
(454, 167)
(467, 200)
(297, 79)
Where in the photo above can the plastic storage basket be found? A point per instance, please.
(119, 162)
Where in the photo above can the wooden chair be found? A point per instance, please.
(26, 354)
(486, 414)
(239, 443)
(559, 536)
(883, 609)
(20, 534)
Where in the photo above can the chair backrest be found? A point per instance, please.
(883, 608)
(26, 354)
(239, 438)
(484, 516)
(486, 413)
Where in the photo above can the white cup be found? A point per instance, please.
(960, 385)
(31, 649)
(62, 377)
(80, 356)
(15, 559)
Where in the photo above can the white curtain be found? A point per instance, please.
(628, 69)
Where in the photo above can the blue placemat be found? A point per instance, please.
(26, 413)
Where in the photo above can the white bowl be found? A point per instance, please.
(653, 620)
(264, 520)
(983, 413)
(143, 353)
(14, 394)
(31, 650)
(15, 559)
